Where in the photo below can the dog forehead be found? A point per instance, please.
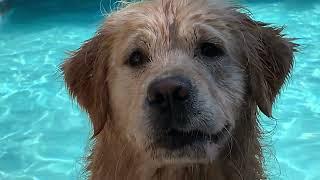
(160, 17)
(160, 25)
(164, 24)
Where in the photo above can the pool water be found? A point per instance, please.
(43, 135)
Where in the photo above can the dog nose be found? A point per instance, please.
(168, 92)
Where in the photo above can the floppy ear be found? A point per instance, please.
(270, 61)
(85, 77)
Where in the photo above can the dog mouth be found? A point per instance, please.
(174, 139)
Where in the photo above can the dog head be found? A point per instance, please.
(173, 77)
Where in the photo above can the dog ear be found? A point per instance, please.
(85, 76)
(270, 57)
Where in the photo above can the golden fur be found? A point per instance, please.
(260, 61)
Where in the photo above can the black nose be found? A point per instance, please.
(168, 92)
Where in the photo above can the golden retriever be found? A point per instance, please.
(173, 87)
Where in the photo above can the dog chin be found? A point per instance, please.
(180, 147)
(197, 153)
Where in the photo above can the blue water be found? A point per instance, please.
(43, 135)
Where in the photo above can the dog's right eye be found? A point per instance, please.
(137, 58)
(210, 50)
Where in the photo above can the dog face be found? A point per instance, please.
(173, 77)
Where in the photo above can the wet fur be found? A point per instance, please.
(265, 55)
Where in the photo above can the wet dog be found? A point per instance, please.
(173, 90)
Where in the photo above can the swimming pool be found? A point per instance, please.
(43, 135)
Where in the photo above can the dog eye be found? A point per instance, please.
(137, 58)
(210, 50)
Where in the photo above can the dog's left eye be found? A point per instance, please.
(137, 58)
(210, 50)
